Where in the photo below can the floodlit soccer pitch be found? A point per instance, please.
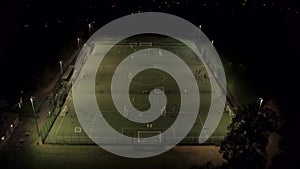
(67, 129)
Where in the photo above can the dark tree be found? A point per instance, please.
(245, 144)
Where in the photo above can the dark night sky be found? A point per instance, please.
(262, 34)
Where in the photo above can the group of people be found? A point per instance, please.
(201, 74)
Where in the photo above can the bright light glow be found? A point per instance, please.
(260, 101)
(61, 68)
(31, 100)
(11, 126)
(3, 137)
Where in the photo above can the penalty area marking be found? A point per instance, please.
(145, 44)
(142, 140)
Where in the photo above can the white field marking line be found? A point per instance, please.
(141, 129)
(174, 132)
(202, 125)
(99, 137)
(93, 125)
(154, 131)
(60, 125)
(160, 54)
(100, 115)
(164, 78)
(68, 104)
(145, 43)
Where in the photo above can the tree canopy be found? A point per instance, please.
(245, 144)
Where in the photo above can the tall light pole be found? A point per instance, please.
(33, 110)
(32, 105)
(260, 100)
(61, 68)
(90, 26)
(78, 43)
